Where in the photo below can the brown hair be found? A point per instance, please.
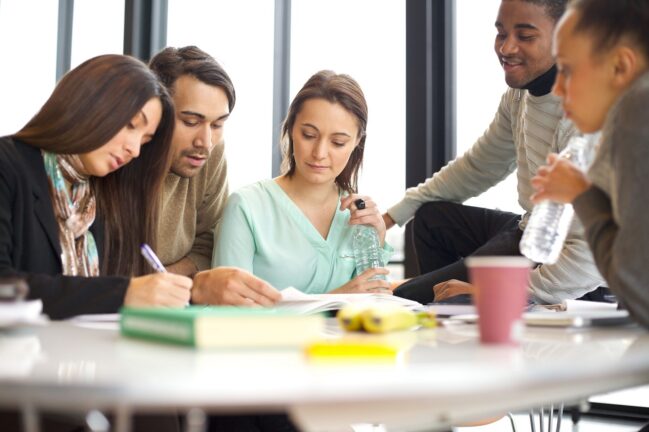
(608, 21)
(171, 63)
(335, 88)
(88, 107)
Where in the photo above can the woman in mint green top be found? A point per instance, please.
(295, 230)
(265, 232)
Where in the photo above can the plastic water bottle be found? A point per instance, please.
(367, 249)
(550, 221)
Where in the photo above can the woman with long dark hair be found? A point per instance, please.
(79, 188)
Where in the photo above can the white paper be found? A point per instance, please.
(298, 301)
(584, 305)
(97, 321)
(21, 312)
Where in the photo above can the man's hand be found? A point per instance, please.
(452, 288)
(389, 222)
(232, 286)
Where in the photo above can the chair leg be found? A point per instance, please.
(511, 421)
(31, 419)
(196, 420)
(575, 415)
(550, 409)
(97, 422)
(559, 416)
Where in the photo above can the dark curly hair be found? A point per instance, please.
(553, 8)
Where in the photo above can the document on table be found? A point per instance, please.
(574, 318)
(579, 318)
(449, 310)
(97, 321)
(297, 301)
(22, 312)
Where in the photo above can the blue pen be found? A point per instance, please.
(152, 258)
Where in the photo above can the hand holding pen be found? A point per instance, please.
(158, 289)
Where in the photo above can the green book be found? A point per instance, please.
(221, 326)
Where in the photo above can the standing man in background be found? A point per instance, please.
(528, 125)
(196, 188)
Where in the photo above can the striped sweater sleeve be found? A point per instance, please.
(491, 159)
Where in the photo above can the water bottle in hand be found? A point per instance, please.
(550, 221)
(366, 247)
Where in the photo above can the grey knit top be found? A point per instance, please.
(614, 210)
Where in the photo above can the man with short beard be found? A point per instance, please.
(528, 125)
(196, 188)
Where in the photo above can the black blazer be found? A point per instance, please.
(29, 240)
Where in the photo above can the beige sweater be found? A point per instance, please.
(191, 209)
(525, 129)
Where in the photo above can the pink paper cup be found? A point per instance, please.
(500, 296)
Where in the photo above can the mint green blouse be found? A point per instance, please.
(264, 232)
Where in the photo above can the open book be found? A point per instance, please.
(295, 300)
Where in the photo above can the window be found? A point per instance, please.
(28, 44)
(480, 84)
(97, 28)
(239, 35)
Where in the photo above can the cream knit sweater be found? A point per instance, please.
(191, 209)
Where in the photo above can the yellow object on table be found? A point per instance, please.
(338, 348)
(383, 318)
(362, 348)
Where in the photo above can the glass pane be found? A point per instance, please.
(239, 34)
(28, 44)
(480, 84)
(98, 28)
(344, 38)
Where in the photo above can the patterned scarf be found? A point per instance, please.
(74, 216)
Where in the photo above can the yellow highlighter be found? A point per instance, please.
(340, 348)
(362, 348)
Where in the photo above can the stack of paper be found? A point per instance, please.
(577, 313)
(21, 312)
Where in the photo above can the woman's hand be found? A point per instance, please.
(559, 181)
(159, 289)
(370, 215)
(363, 284)
(451, 288)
